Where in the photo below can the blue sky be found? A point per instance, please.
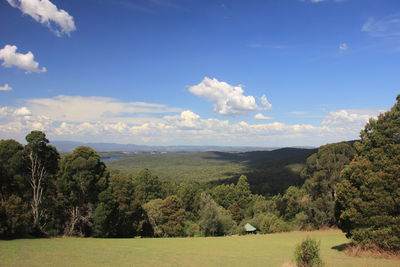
(164, 72)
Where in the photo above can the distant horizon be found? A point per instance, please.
(227, 73)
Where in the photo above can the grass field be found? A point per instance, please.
(255, 250)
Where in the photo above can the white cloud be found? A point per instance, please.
(343, 47)
(23, 111)
(11, 58)
(99, 119)
(350, 119)
(388, 27)
(260, 116)
(228, 99)
(5, 87)
(45, 12)
(91, 109)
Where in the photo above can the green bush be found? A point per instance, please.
(273, 224)
(307, 253)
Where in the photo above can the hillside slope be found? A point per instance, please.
(269, 172)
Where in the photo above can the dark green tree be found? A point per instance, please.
(321, 174)
(147, 186)
(15, 213)
(368, 198)
(118, 213)
(81, 178)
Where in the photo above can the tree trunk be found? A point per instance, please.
(38, 173)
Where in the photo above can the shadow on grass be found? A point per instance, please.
(341, 247)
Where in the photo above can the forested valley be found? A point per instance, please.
(353, 186)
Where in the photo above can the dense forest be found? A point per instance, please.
(353, 186)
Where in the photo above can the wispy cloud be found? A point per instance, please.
(94, 108)
(5, 87)
(260, 116)
(343, 47)
(45, 12)
(387, 27)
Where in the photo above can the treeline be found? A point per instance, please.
(353, 186)
(76, 195)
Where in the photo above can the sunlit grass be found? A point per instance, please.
(252, 250)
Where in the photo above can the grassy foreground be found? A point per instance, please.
(257, 250)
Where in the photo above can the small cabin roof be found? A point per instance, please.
(249, 227)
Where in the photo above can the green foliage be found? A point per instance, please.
(81, 178)
(148, 186)
(153, 211)
(47, 154)
(307, 253)
(15, 217)
(214, 219)
(322, 173)
(268, 172)
(191, 229)
(12, 169)
(270, 223)
(368, 199)
(118, 214)
(172, 216)
(291, 203)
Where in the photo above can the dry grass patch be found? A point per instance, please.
(370, 251)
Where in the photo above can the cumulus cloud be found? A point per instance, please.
(343, 47)
(11, 58)
(141, 123)
(260, 116)
(350, 119)
(45, 12)
(23, 111)
(228, 99)
(5, 87)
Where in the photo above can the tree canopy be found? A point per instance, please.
(368, 198)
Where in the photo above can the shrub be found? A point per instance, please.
(273, 224)
(307, 254)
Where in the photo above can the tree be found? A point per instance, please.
(42, 161)
(321, 174)
(119, 214)
(368, 198)
(172, 216)
(214, 219)
(15, 213)
(147, 186)
(12, 169)
(81, 178)
(243, 192)
(153, 210)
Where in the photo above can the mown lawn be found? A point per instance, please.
(257, 250)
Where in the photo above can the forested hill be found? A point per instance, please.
(269, 172)
(69, 146)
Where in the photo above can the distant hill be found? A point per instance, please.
(68, 146)
(269, 172)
